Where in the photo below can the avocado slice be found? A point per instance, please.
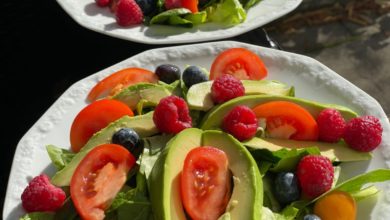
(199, 96)
(213, 119)
(164, 185)
(142, 124)
(151, 94)
(334, 151)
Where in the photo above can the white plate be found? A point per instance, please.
(89, 15)
(311, 79)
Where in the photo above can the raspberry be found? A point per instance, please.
(128, 12)
(41, 196)
(331, 125)
(171, 4)
(102, 3)
(226, 87)
(241, 122)
(172, 115)
(315, 175)
(363, 133)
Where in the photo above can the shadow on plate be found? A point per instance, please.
(92, 9)
(162, 31)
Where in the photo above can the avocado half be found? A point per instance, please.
(213, 119)
(164, 185)
(199, 95)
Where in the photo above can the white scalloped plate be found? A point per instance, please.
(89, 15)
(311, 79)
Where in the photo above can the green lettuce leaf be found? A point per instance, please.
(172, 17)
(197, 18)
(227, 12)
(38, 216)
(132, 204)
(59, 157)
(281, 160)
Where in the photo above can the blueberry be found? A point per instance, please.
(128, 138)
(286, 187)
(193, 75)
(168, 73)
(147, 6)
(311, 217)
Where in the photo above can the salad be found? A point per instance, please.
(224, 143)
(183, 13)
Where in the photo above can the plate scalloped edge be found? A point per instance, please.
(30, 143)
(99, 21)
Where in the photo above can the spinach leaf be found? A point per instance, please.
(59, 157)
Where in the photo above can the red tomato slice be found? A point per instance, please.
(93, 118)
(239, 62)
(205, 183)
(191, 5)
(288, 120)
(98, 178)
(119, 80)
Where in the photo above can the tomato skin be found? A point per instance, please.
(98, 178)
(279, 113)
(93, 118)
(121, 79)
(239, 62)
(205, 183)
(191, 5)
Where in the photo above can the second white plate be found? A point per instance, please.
(89, 15)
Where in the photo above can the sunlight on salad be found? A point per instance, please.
(218, 144)
(183, 13)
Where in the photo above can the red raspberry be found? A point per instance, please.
(315, 175)
(102, 3)
(241, 122)
(172, 115)
(331, 125)
(41, 196)
(226, 87)
(128, 13)
(171, 4)
(363, 133)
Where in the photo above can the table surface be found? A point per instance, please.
(44, 52)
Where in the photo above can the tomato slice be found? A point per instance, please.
(205, 183)
(93, 118)
(119, 80)
(98, 178)
(288, 120)
(191, 5)
(239, 62)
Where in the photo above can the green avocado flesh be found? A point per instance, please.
(247, 195)
(334, 151)
(213, 119)
(150, 93)
(142, 124)
(199, 96)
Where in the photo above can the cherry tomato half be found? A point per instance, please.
(98, 178)
(288, 120)
(205, 183)
(191, 5)
(239, 62)
(119, 80)
(93, 118)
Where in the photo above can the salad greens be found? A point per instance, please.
(224, 12)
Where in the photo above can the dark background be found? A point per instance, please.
(43, 52)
